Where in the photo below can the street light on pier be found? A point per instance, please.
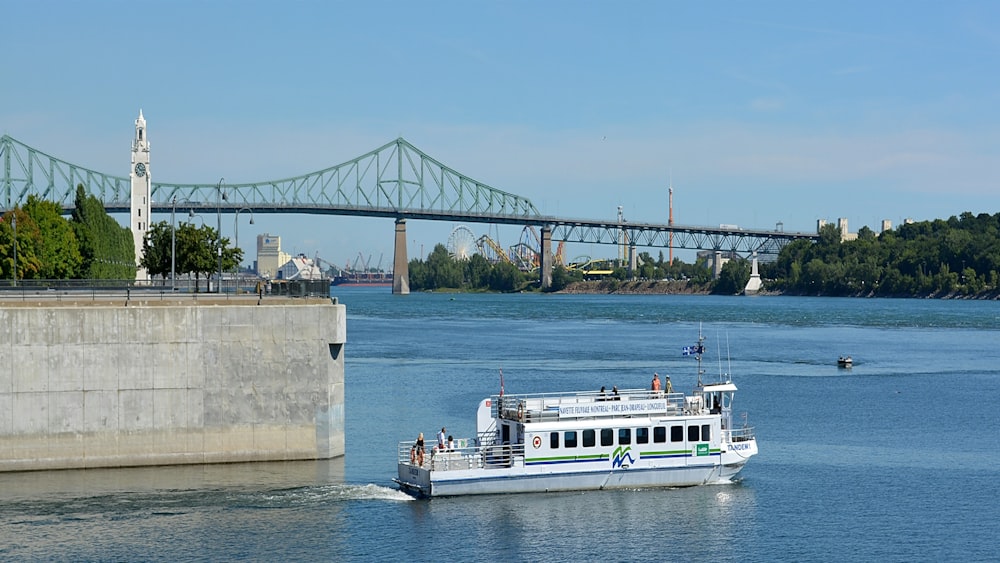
(236, 229)
(13, 222)
(192, 215)
(173, 245)
(218, 241)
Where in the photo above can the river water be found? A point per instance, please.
(897, 459)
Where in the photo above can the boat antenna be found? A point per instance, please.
(698, 353)
(729, 361)
(718, 353)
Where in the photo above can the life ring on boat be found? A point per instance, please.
(520, 412)
(537, 442)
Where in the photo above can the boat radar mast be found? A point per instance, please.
(698, 350)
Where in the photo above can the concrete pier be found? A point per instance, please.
(115, 381)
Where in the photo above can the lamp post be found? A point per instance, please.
(236, 229)
(13, 222)
(191, 216)
(173, 246)
(218, 241)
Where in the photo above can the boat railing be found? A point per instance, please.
(539, 407)
(471, 455)
(742, 434)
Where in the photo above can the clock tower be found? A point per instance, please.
(141, 188)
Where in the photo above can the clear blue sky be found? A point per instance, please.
(760, 112)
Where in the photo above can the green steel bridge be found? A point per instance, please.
(396, 180)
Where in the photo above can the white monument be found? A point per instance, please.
(754, 284)
(141, 187)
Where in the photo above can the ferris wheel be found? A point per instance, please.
(461, 243)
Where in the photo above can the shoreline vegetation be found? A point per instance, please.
(957, 258)
(609, 287)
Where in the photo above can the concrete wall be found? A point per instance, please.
(109, 383)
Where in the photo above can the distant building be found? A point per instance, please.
(269, 256)
(300, 268)
(845, 235)
(886, 225)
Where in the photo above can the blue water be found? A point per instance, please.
(897, 459)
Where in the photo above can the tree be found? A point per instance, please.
(56, 246)
(157, 248)
(505, 277)
(733, 278)
(561, 277)
(28, 264)
(195, 251)
(477, 271)
(106, 247)
(444, 271)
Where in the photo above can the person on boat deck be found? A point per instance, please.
(614, 393)
(413, 454)
(655, 386)
(441, 435)
(451, 443)
(603, 396)
(668, 388)
(420, 449)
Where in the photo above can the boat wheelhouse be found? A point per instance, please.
(586, 441)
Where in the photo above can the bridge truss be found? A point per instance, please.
(396, 180)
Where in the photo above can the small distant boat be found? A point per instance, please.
(845, 362)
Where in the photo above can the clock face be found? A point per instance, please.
(140, 170)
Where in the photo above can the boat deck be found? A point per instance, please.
(551, 407)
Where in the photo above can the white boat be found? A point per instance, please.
(845, 362)
(588, 440)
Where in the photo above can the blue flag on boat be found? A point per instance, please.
(691, 350)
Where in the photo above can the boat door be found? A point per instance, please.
(699, 442)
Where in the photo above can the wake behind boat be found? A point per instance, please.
(587, 440)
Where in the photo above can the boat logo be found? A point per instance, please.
(537, 442)
(620, 455)
(702, 449)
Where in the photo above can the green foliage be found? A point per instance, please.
(106, 247)
(156, 249)
(441, 271)
(733, 278)
(561, 277)
(960, 256)
(195, 251)
(56, 247)
(28, 236)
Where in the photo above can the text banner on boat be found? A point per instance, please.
(610, 407)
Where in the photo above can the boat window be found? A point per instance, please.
(569, 439)
(607, 437)
(706, 433)
(642, 435)
(677, 433)
(589, 438)
(693, 433)
(624, 436)
(660, 434)
(554, 440)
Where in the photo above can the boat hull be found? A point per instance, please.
(454, 480)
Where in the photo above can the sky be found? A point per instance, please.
(757, 113)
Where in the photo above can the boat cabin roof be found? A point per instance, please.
(723, 386)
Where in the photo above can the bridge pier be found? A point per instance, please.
(400, 263)
(545, 263)
(633, 262)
